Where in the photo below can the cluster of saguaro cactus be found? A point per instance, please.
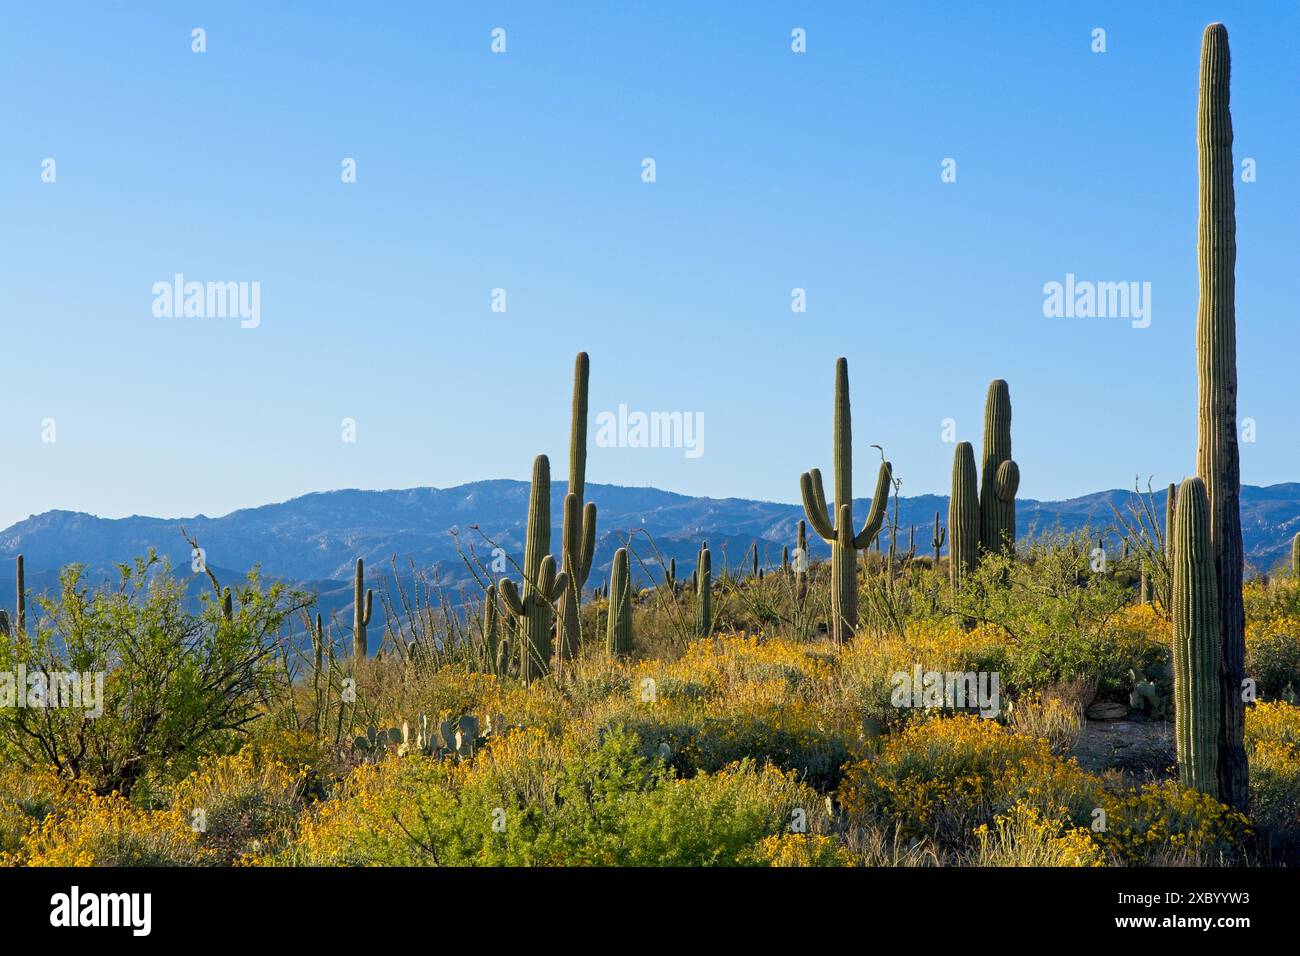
(618, 639)
(532, 608)
(1196, 641)
(578, 533)
(362, 605)
(670, 575)
(704, 592)
(983, 520)
(837, 529)
(1217, 460)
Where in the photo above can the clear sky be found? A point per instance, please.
(523, 171)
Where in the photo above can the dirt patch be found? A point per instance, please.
(1136, 746)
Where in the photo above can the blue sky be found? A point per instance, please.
(522, 171)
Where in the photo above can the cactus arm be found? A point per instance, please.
(587, 551)
(370, 602)
(878, 502)
(508, 593)
(578, 427)
(814, 504)
(570, 532)
(1007, 482)
(544, 586)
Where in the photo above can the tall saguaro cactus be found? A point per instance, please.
(963, 515)
(362, 605)
(20, 609)
(618, 636)
(578, 533)
(999, 475)
(1217, 460)
(704, 592)
(1197, 656)
(1295, 556)
(542, 586)
(837, 529)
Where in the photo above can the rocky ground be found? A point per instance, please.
(1135, 745)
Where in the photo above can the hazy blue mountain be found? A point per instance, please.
(314, 540)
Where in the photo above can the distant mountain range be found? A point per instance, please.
(315, 539)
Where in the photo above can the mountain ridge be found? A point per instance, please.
(317, 536)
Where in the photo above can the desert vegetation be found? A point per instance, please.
(1120, 696)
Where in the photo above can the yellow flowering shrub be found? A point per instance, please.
(757, 723)
(801, 849)
(239, 803)
(865, 669)
(1168, 822)
(529, 799)
(1273, 751)
(1024, 837)
(27, 797)
(942, 777)
(362, 824)
(1276, 722)
(1273, 656)
(109, 831)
